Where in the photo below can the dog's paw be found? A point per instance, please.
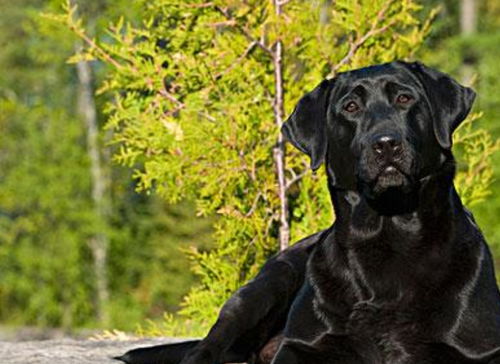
(126, 358)
(199, 356)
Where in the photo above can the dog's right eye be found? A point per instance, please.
(404, 99)
(351, 106)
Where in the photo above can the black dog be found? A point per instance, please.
(404, 275)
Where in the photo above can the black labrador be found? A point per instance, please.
(404, 275)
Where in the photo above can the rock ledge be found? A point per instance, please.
(70, 351)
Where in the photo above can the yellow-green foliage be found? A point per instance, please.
(474, 148)
(173, 325)
(192, 112)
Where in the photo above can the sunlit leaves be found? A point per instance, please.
(193, 94)
(475, 148)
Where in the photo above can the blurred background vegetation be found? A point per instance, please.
(139, 178)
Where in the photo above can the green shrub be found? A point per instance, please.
(194, 93)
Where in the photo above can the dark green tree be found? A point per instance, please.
(47, 212)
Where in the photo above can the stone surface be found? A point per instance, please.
(70, 351)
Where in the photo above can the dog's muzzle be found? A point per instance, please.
(386, 163)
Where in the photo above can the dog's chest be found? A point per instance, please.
(391, 332)
(390, 328)
(384, 305)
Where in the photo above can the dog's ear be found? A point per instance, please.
(450, 102)
(306, 126)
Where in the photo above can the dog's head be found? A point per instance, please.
(380, 128)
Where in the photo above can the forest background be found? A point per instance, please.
(142, 178)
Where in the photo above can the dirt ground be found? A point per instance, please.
(70, 351)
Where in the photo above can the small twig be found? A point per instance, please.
(170, 97)
(244, 31)
(296, 178)
(207, 116)
(199, 6)
(250, 47)
(181, 105)
(72, 9)
(254, 205)
(358, 43)
(172, 112)
(93, 45)
(225, 23)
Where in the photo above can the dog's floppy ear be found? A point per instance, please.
(306, 127)
(450, 101)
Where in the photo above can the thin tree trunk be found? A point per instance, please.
(325, 11)
(99, 243)
(468, 17)
(468, 27)
(279, 149)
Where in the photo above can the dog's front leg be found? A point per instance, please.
(303, 332)
(310, 340)
(256, 312)
(250, 319)
(326, 350)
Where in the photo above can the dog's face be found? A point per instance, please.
(380, 128)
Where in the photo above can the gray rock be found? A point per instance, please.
(70, 351)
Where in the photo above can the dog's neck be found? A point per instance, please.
(433, 205)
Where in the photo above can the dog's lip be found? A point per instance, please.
(384, 171)
(390, 169)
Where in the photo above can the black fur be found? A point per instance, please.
(404, 275)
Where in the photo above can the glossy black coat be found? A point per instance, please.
(404, 275)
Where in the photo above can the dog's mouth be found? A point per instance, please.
(391, 190)
(390, 176)
(377, 176)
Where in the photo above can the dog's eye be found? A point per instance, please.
(403, 99)
(351, 106)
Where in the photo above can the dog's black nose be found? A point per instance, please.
(387, 146)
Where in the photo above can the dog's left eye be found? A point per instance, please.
(351, 106)
(403, 99)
